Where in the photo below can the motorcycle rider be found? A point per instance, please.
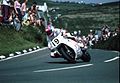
(52, 32)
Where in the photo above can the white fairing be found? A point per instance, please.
(63, 40)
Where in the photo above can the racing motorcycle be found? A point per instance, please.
(67, 48)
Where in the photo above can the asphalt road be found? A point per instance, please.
(38, 67)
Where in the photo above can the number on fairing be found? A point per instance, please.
(55, 42)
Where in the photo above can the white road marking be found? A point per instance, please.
(111, 59)
(23, 54)
(64, 68)
(116, 52)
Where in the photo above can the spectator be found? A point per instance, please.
(11, 12)
(33, 18)
(117, 30)
(79, 33)
(11, 17)
(5, 10)
(33, 8)
(24, 7)
(90, 35)
(96, 36)
(26, 19)
(42, 20)
(17, 8)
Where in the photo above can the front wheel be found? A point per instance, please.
(67, 53)
(86, 57)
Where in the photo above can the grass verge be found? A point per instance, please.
(12, 41)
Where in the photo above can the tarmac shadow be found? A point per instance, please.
(65, 62)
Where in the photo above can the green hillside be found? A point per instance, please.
(85, 16)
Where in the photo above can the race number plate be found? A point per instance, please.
(55, 42)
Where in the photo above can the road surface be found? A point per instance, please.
(38, 67)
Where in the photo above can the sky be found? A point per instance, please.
(90, 1)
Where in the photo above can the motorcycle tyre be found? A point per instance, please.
(66, 55)
(86, 57)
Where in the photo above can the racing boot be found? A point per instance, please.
(55, 54)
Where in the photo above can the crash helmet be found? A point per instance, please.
(49, 30)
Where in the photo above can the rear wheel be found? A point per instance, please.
(86, 57)
(67, 53)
